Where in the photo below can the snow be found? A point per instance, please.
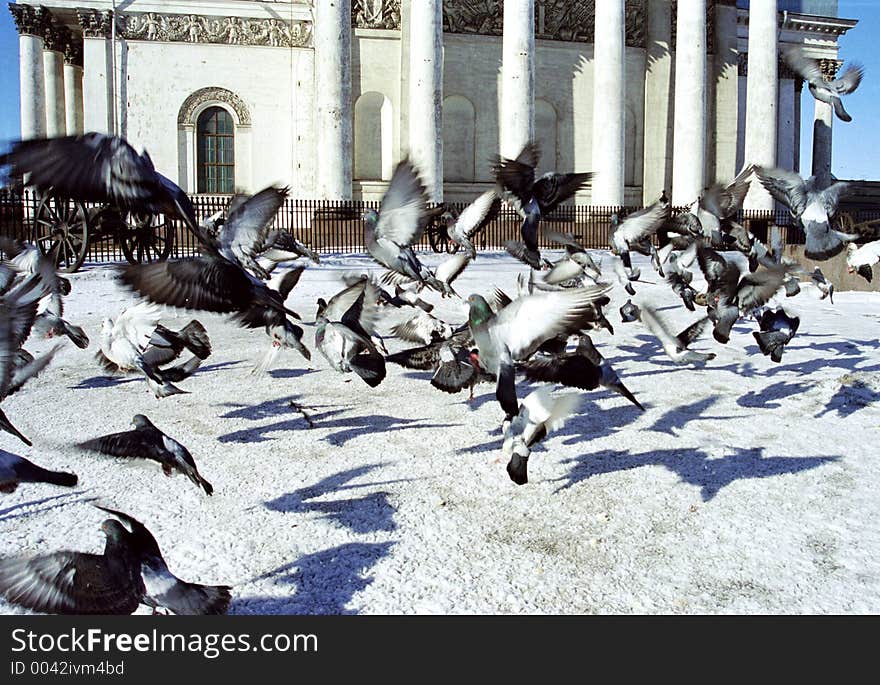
(746, 486)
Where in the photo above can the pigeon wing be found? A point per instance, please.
(785, 186)
(552, 189)
(403, 207)
(247, 227)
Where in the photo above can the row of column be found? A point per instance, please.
(51, 75)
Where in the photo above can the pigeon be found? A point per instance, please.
(634, 232)
(813, 202)
(99, 168)
(15, 469)
(473, 218)
(577, 262)
(422, 328)
(344, 344)
(165, 346)
(67, 582)
(518, 330)
(148, 442)
(629, 312)
(365, 320)
(584, 368)
(124, 343)
(286, 248)
(246, 232)
(428, 357)
(861, 260)
(824, 91)
(719, 203)
(676, 346)
(458, 369)
(825, 286)
(450, 269)
(682, 288)
(777, 330)
(537, 415)
(390, 233)
(162, 588)
(533, 198)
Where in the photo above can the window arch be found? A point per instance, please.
(215, 151)
(458, 139)
(373, 142)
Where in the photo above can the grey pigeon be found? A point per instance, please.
(15, 469)
(634, 232)
(676, 346)
(629, 312)
(475, 217)
(813, 202)
(345, 344)
(825, 286)
(861, 260)
(777, 330)
(825, 91)
(148, 442)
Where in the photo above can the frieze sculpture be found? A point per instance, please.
(196, 28)
(565, 20)
(473, 16)
(375, 14)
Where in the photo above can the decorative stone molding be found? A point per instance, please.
(29, 20)
(195, 28)
(473, 16)
(829, 68)
(636, 35)
(187, 113)
(375, 14)
(565, 20)
(55, 37)
(73, 51)
(95, 23)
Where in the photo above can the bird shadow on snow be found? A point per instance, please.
(324, 581)
(767, 398)
(284, 406)
(850, 398)
(355, 426)
(96, 382)
(18, 510)
(679, 417)
(368, 514)
(291, 373)
(694, 467)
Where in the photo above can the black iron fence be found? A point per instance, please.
(336, 226)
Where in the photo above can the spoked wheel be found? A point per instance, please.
(61, 227)
(844, 222)
(439, 240)
(146, 237)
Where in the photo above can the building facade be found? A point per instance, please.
(326, 95)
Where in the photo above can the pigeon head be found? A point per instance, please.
(64, 285)
(479, 310)
(370, 217)
(448, 218)
(141, 421)
(115, 531)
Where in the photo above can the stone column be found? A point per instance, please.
(689, 142)
(609, 117)
(54, 41)
(332, 38)
(517, 109)
(30, 22)
(426, 93)
(657, 173)
(798, 89)
(823, 119)
(99, 112)
(73, 87)
(762, 89)
(726, 91)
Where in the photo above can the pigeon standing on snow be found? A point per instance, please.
(824, 91)
(148, 442)
(538, 414)
(777, 330)
(15, 469)
(825, 286)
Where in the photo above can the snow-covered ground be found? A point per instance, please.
(746, 486)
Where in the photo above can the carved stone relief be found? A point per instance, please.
(375, 14)
(473, 16)
(194, 28)
(30, 20)
(186, 115)
(96, 24)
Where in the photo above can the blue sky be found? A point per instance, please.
(856, 144)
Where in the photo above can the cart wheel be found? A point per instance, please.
(146, 237)
(439, 240)
(61, 227)
(844, 222)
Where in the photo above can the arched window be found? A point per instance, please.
(215, 151)
(459, 128)
(373, 142)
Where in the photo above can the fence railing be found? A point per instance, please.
(336, 226)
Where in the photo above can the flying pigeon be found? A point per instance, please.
(813, 202)
(634, 232)
(286, 248)
(422, 328)
(825, 286)
(676, 346)
(584, 368)
(777, 330)
(537, 415)
(861, 260)
(458, 368)
(825, 91)
(719, 203)
(344, 344)
(162, 588)
(15, 469)
(533, 198)
(629, 312)
(518, 330)
(99, 168)
(390, 233)
(473, 218)
(148, 442)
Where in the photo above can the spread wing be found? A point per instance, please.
(403, 207)
(247, 227)
(785, 186)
